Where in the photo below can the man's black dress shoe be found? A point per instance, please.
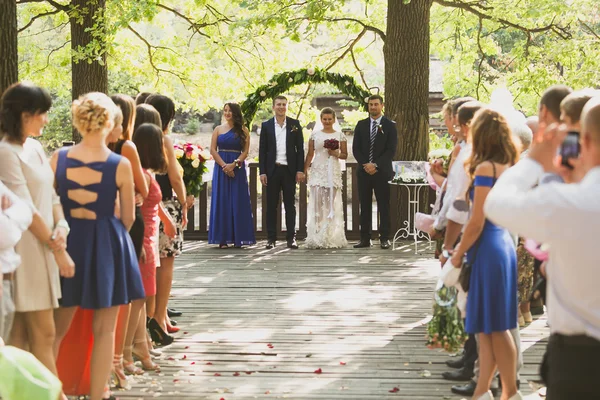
(173, 313)
(458, 363)
(270, 244)
(385, 244)
(362, 243)
(468, 389)
(460, 375)
(291, 244)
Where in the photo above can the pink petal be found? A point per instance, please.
(217, 374)
(318, 371)
(342, 363)
(236, 374)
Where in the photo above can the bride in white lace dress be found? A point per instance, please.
(325, 216)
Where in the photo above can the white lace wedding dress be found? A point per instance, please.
(325, 216)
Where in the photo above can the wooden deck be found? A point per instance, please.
(258, 323)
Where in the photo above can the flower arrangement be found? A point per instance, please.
(192, 159)
(331, 144)
(446, 329)
(410, 176)
(440, 159)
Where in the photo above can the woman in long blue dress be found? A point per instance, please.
(492, 299)
(231, 220)
(89, 178)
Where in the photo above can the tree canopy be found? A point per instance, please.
(206, 52)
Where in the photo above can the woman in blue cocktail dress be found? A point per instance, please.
(492, 299)
(231, 220)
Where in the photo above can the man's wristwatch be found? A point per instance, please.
(447, 253)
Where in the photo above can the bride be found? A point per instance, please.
(325, 222)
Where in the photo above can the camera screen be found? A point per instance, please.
(570, 147)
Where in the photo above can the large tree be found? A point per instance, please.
(9, 71)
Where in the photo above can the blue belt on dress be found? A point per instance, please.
(230, 151)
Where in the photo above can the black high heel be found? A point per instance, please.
(158, 335)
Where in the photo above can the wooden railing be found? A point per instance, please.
(199, 216)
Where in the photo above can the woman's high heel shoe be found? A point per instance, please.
(129, 365)
(158, 335)
(119, 378)
(147, 363)
(487, 396)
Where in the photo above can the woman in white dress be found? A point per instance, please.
(325, 222)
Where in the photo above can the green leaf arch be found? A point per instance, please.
(281, 83)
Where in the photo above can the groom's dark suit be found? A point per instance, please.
(281, 176)
(383, 152)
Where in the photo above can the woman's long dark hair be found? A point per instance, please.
(238, 122)
(18, 99)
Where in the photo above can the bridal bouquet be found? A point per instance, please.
(440, 158)
(192, 159)
(331, 144)
(446, 329)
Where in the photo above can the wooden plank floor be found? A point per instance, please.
(258, 323)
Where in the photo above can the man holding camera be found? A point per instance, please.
(566, 217)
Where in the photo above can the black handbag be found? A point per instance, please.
(464, 278)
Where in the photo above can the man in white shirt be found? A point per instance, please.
(281, 164)
(15, 218)
(566, 217)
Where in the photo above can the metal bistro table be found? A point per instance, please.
(414, 196)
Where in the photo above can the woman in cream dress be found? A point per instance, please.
(25, 170)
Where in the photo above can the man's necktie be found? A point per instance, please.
(373, 135)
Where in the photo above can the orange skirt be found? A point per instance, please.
(75, 355)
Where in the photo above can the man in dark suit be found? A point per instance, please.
(374, 145)
(281, 163)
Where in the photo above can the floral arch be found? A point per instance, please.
(281, 83)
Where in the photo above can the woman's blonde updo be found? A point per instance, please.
(93, 112)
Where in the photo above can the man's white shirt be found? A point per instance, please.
(457, 185)
(567, 217)
(13, 222)
(281, 142)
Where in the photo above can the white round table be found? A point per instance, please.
(409, 231)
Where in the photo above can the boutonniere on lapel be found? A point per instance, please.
(294, 129)
(380, 129)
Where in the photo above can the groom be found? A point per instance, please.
(281, 164)
(374, 146)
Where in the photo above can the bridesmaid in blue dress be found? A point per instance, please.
(90, 177)
(231, 220)
(492, 299)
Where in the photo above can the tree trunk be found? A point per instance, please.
(406, 56)
(9, 57)
(89, 74)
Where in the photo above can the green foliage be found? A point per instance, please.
(283, 82)
(193, 126)
(439, 142)
(59, 128)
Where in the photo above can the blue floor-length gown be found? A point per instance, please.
(492, 301)
(231, 220)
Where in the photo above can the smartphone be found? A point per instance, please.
(570, 148)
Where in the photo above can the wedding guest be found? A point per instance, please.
(549, 109)
(174, 200)
(15, 218)
(492, 299)
(25, 170)
(548, 113)
(326, 228)
(533, 123)
(525, 135)
(570, 366)
(107, 273)
(141, 98)
(231, 220)
(281, 165)
(119, 141)
(451, 221)
(374, 145)
(572, 106)
(149, 141)
(146, 114)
